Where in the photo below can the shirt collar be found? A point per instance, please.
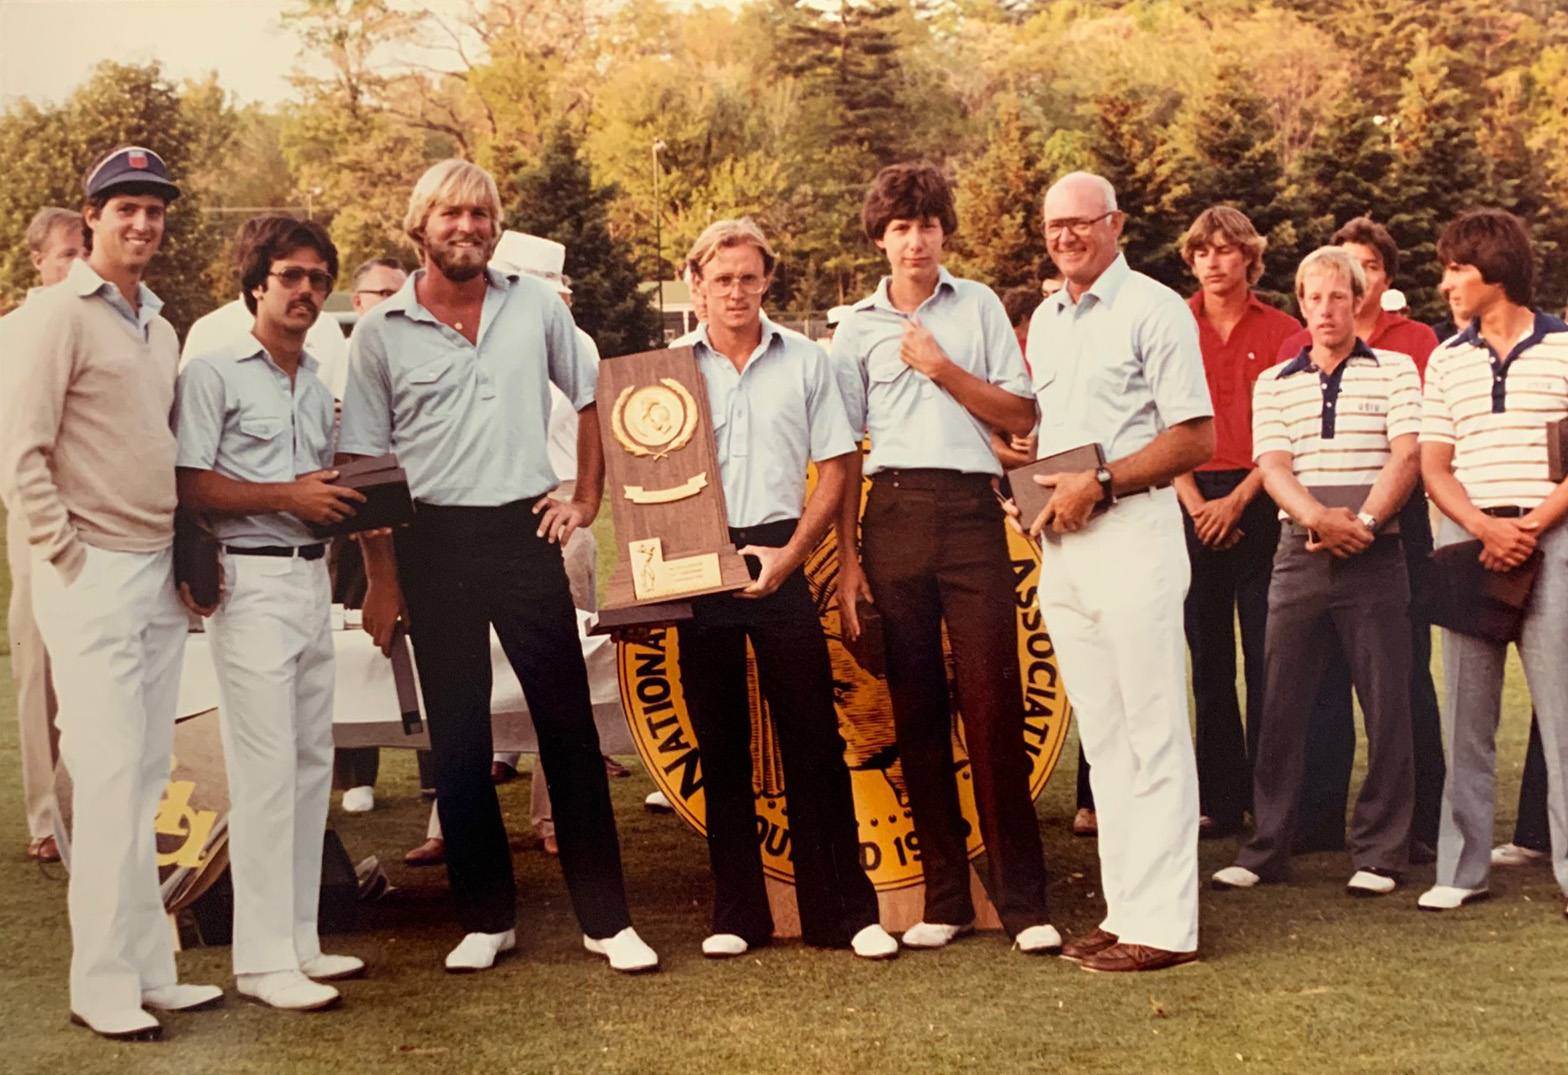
(86, 282)
(880, 297)
(246, 347)
(770, 332)
(405, 302)
(1109, 283)
(1254, 304)
(1303, 362)
(1544, 323)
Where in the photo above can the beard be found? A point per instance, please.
(458, 263)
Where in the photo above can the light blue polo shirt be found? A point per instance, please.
(236, 414)
(1116, 368)
(912, 422)
(468, 423)
(779, 412)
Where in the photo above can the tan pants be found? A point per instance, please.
(35, 701)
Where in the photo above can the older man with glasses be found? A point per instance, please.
(1115, 361)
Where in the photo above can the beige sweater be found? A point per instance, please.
(86, 452)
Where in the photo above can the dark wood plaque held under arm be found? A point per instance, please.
(662, 482)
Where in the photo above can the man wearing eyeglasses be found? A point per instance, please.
(929, 365)
(233, 322)
(1116, 362)
(374, 282)
(254, 427)
(775, 410)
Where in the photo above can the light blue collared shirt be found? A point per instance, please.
(779, 412)
(236, 414)
(468, 423)
(912, 422)
(1118, 367)
(83, 280)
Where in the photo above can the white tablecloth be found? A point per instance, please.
(366, 710)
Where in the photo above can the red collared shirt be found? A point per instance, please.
(1232, 366)
(1393, 332)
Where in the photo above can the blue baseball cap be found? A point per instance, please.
(131, 166)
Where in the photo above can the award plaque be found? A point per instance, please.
(662, 481)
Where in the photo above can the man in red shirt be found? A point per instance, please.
(1331, 742)
(1232, 525)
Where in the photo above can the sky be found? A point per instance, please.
(48, 47)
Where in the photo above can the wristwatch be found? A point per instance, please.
(1368, 520)
(1107, 490)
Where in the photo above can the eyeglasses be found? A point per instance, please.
(380, 293)
(1079, 227)
(746, 283)
(320, 279)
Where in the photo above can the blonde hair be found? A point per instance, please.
(1334, 259)
(451, 182)
(726, 233)
(1235, 228)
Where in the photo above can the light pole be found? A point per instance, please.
(658, 234)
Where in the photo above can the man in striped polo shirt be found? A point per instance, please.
(1334, 432)
(1490, 392)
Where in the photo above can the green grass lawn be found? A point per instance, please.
(1295, 979)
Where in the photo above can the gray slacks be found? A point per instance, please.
(1364, 601)
(1472, 705)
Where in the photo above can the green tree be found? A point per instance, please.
(49, 149)
(353, 164)
(557, 199)
(998, 203)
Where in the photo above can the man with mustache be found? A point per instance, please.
(1230, 522)
(453, 373)
(253, 421)
(87, 458)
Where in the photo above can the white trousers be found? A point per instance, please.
(272, 648)
(116, 639)
(1111, 596)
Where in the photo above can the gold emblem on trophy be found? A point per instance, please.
(651, 422)
(654, 420)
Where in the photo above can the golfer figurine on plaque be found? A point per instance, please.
(662, 481)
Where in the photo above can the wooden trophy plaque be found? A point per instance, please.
(662, 481)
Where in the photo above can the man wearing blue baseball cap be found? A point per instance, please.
(87, 458)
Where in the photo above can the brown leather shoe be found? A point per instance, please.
(1080, 948)
(430, 853)
(615, 768)
(549, 846)
(1085, 823)
(44, 849)
(1135, 957)
(502, 773)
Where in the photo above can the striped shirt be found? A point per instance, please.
(1495, 412)
(1337, 426)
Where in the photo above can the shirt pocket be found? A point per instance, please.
(883, 362)
(434, 386)
(264, 447)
